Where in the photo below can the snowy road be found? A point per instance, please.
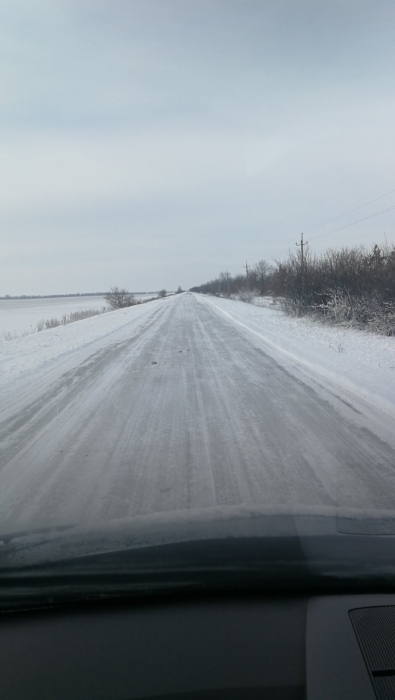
(182, 408)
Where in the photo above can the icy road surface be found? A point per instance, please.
(181, 406)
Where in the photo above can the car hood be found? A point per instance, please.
(268, 548)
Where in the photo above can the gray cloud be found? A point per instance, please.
(153, 143)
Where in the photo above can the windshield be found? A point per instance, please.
(179, 363)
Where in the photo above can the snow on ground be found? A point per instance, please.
(362, 362)
(193, 402)
(22, 315)
(27, 354)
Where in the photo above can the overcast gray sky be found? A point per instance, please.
(152, 143)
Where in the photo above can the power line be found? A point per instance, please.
(341, 228)
(350, 211)
(358, 221)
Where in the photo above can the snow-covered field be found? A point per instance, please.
(22, 315)
(25, 355)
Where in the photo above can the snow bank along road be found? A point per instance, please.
(179, 405)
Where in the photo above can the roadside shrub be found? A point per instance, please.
(365, 311)
(352, 286)
(247, 295)
(69, 318)
(9, 335)
(292, 307)
(80, 315)
(119, 298)
(54, 322)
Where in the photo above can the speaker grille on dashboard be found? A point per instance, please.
(375, 631)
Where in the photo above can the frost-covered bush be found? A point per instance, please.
(368, 311)
(352, 286)
(292, 307)
(247, 295)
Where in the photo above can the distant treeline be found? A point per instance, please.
(62, 296)
(257, 280)
(350, 285)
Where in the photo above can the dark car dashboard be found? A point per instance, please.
(275, 648)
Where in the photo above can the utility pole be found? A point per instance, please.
(302, 244)
(227, 278)
(247, 267)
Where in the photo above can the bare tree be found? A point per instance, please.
(262, 270)
(224, 278)
(179, 290)
(119, 298)
(162, 293)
